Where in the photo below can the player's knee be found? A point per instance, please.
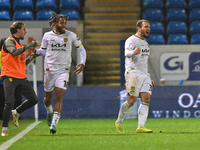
(131, 100)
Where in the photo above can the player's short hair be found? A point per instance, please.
(16, 25)
(55, 17)
(139, 22)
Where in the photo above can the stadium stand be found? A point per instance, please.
(153, 15)
(175, 4)
(44, 14)
(4, 15)
(152, 4)
(177, 39)
(23, 15)
(156, 39)
(23, 5)
(73, 14)
(156, 27)
(5, 5)
(194, 14)
(194, 4)
(176, 27)
(175, 14)
(195, 27)
(69, 4)
(46, 5)
(195, 39)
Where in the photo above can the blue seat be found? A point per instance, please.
(69, 4)
(23, 15)
(23, 5)
(176, 14)
(194, 4)
(46, 5)
(194, 14)
(156, 27)
(195, 39)
(5, 5)
(176, 27)
(147, 4)
(44, 14)
(153, 15)
(73, 14)
(4, 15)
(195, 27)
(175, 4)
(177, 39)
(155, 39)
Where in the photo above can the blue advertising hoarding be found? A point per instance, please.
(175, 102)
(180, 66)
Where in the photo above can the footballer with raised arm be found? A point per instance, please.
(138, 81)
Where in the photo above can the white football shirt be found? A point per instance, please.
(138, 62)
(58, 49)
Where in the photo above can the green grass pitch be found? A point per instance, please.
(100, 134)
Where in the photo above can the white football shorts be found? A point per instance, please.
(53, 79)
(137, 83)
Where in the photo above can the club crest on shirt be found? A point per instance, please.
(77, 38)
(65, 40)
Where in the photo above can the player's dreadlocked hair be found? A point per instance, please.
(55, 17)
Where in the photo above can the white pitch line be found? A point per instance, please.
(8, 143)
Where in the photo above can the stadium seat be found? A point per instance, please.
(23, 5)
(194, 14)
(153, 4)
(195, 39)
(175, 4)
(195, 27)
(155, 39)
(4, 15)
(153, 15)
(69, 4)
(46, 5)
(194, 4)
(44, 14)
(177, 39)
(73, 14)
(156, 27)
(5, 5)
(176, 14)
(176, 27)
(23, 15)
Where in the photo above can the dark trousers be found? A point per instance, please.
(26, 90)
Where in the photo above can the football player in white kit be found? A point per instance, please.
(138, 81)
(57, 46)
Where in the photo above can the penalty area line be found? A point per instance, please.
(8, 143)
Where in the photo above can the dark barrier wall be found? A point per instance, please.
(103, 102)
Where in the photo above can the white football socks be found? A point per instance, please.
(49, 109)
(56, 118)
(143, 112)
(122, 113)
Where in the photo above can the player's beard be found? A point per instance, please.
(60, 30)
(144, 34)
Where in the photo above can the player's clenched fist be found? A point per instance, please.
(136, 51)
